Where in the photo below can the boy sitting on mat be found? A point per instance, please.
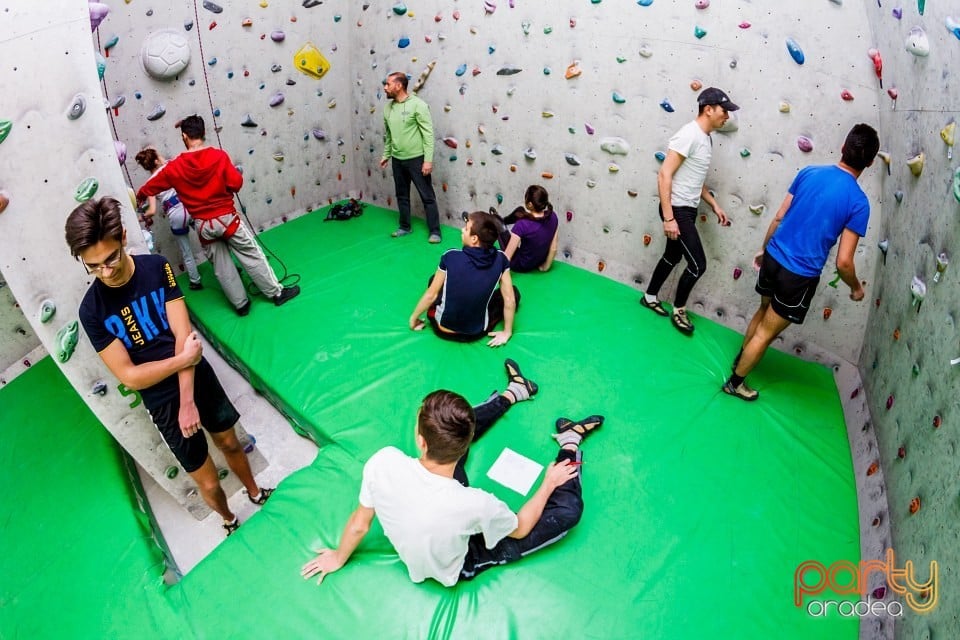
(462, 300)
(442, 528)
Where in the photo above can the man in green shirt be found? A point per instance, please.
(408, 141)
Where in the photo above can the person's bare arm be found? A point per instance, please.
(665, 188)
(707, 197)
(147, 374)
(846, 266)
(557, 474)
(499, 338)
(179, 321)
(330, 560)
(552, 253)
(416, 322)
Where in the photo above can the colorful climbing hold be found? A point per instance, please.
(915, 503)
(699, 32)
(403, 43)
(451, 142)
(574, 161)
(660, 156)
(937, 421)
(530, 154)
(508, 71)
(744, 153)
(827, 312)
(737, 272)
(86, 189)
(784, 107)
(309, 60)
(615, 146)
(98, 11)
(805, 144)
(462, 69)
(873, 468)
(4, 200)
(918, 43)
(617, 98)
(889, 402)
(573, 70)
(401, 9)
(696, 85)
(916, 164)
(66, 340)
(601, 265)
(586, 127)
(77, 106)
(666, 106)
(5, 127)
(874, 55)
(276, 99)
(846, 95)
(795, 51)
(248, 122)
(647, 239)
(546, 175)
(569, 216)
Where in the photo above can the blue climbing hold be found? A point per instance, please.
(665, 104)
(462, 69)
(644, 3)
(795, 51)
(660, 156)
(403, 43)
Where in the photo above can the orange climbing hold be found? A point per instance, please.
(647, 239)
(546, 175)
(247, 22)
(513, 168)
(873, 468)
(444, 187)
(915, 505)
(293, 192)
(827, 312)
(573, 70)
(896, 333)
(601, 266)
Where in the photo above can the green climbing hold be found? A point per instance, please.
(619, 99)
(222, 473)
(101, 65)
(47, 309)
(400, 8)
(956, 184)
(621, 59)
(111, 43)
(67, 338)
(699, 32)
(547, 30)
(499, 198)
(744, 153)
(5, 126)
(86, 189)
(172, 472)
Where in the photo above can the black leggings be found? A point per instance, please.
(687, 246)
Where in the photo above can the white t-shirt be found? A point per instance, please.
(696, 147)
(429, 518)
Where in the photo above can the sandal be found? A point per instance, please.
(230, 527)
(264, 496)
(583, 427)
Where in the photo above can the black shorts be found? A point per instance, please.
(217, 414)
(791, 293)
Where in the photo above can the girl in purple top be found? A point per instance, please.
(532, 242)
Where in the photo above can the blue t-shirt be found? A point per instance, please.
(472, 274)
(136, 314)
(826, 200)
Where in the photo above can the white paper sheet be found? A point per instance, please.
(515, 471)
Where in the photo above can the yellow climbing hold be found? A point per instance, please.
(916, 164)
(949, 133)
(310, 61)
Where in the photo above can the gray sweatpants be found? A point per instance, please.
(189, 261)
(217, 249)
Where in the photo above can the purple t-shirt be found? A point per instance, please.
(536, 236)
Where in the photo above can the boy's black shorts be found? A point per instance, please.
(790, 293)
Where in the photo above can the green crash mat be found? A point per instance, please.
(699, 506)
(79, 559)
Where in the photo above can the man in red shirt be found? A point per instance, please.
(205, 179)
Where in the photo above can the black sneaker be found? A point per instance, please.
(286, 294)
(196, 286)
(244, 309)
(681, 321)
(741, 391)
(262, 499)
(230, 527)
(656, 307)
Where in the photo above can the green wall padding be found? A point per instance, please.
(78, 558)
(699, 506)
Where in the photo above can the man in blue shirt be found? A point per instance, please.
(823, 203)
(471, 292)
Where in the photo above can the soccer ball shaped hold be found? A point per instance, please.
(165, 54)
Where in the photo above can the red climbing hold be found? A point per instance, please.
(601, 266)
(914, 505)
(889, 402)
(902, 452)
(936, 422)
(827, 312)
(873, 468)
(647, 239)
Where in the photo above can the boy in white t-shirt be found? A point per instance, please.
(440, 526)
(680, 183)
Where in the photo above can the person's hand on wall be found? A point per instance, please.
(722, 218)
(857, 294)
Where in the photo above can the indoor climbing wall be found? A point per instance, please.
(271, 80)
(582, 98)
(911, 351)
(18, 336)
(56, 150)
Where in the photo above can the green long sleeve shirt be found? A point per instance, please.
(407, 130)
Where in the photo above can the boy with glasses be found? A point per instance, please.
(136, 319)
